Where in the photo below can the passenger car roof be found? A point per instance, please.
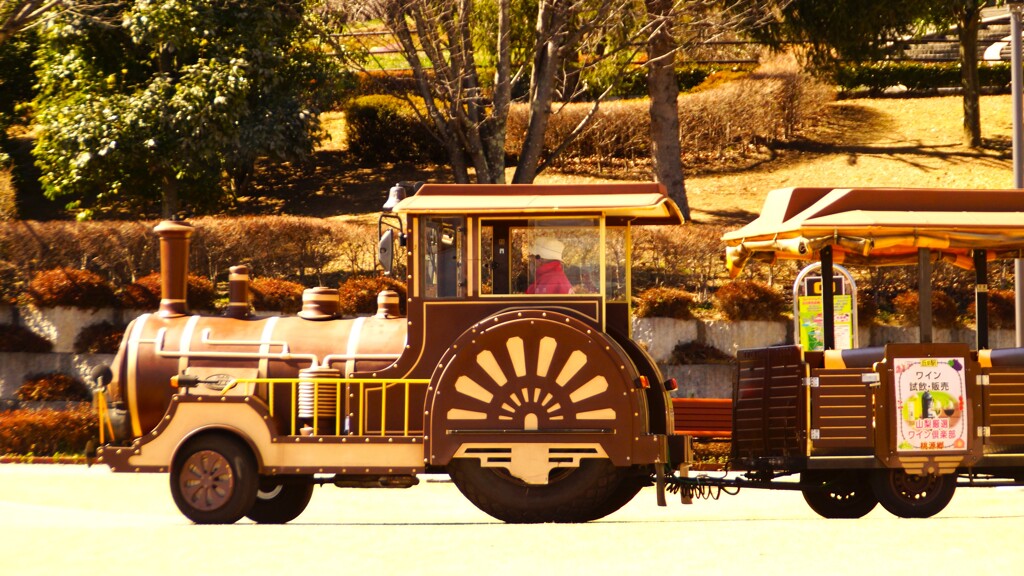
(641, 203)
(881, 226)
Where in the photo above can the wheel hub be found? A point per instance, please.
(206, 480)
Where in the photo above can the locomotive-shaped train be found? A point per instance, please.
(539, 405)
(513, 369)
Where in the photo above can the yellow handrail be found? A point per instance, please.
(364, 386)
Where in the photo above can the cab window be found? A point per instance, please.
(443, 271)
(541, 257)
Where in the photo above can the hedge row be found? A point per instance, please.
(47, 432)
(876, 77)
(629, 83)
(307, 250)
(767, 105)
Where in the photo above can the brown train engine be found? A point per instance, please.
(533, 398)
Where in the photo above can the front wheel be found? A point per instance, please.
(213, 480)
(910, 495)
(571, 495)
(842, 493)
(279, 501)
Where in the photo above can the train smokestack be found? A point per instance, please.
(175, 238)
(238, 292)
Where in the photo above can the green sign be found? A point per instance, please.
(811, 323)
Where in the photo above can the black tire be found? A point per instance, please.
(912, 496)
(214, 479)
(572, 495)
(844, 493)
(628, 488)
(280, 501)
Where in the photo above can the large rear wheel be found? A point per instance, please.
(910, 495)
(280, 500)
(213, 480)
(842, 493)
(571, 494)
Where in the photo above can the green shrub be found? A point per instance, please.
(100, 338)
(200, 292)
(47, 432)
(877, 76)
(14, 338)
(697, 353)
(944, 310)
(750, 300)
(70, 287)
(387, 129)
(53, 386)
(664, 302)
(359, 294)
(275, 294)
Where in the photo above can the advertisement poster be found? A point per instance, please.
(930, 404)
(811, 322)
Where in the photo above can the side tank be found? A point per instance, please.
(171, 342)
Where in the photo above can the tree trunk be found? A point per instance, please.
(495, 127)
(542, 86)
(969, 21)
(169, 196)
(664, 108)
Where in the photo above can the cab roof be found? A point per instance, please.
(642, 203)
(881, 226)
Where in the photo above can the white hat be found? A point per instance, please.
(547, 248)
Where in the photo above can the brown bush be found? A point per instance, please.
(8, 193)
(275, 294)
(689, 257)
(14, 338)
(664, 302)
(750, 300)
(47, 432)
(100, 338)
(141, 296)
(1002, 309)
(359, 294)
(944, 310)
(70, 287)
(53, 386)
(697, 353)
(200, 292)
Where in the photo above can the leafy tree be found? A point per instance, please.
(830, 33)
(143, 100)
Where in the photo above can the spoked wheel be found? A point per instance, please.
(571, 495)
(844, 493)
(910, 495)
(213, 480)
(280, 500)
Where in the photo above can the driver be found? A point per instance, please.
(549, 277)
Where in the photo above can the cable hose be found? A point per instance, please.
(700, 490)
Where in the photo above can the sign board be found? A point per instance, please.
(930, 411)
(812, 324)
(807, 309)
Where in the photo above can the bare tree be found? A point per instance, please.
(436, 38)
(18, 15)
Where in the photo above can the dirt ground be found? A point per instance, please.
(880, 142)
(914, 142)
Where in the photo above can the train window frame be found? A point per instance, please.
(442, 257)
(508, 239)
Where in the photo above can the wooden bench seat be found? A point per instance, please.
(703, 417)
